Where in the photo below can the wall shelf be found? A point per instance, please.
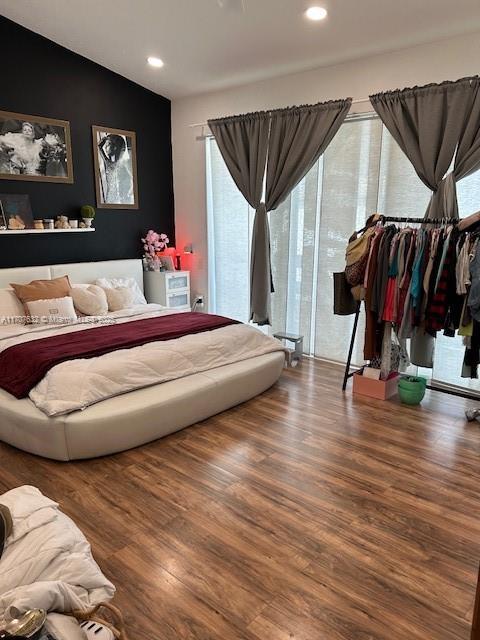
(11, 232)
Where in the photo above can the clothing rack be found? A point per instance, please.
(348, 373)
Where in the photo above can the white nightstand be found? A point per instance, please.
(169, 288)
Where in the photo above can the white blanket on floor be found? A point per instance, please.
(47, 562)
(77, 384)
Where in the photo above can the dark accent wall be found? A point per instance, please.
(42, 78)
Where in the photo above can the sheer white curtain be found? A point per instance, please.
(362, 171)
(230, 220)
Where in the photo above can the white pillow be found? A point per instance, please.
(89, 299)
(119, 298)
(131, 283)
(55, 311)
(11, 309)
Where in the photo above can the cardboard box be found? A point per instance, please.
(380, 389)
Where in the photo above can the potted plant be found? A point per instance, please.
(88, 214)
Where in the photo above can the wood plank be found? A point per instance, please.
(305, 513)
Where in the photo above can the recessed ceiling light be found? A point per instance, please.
(154, 62)
(316, 13)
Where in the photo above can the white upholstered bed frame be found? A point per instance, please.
(137, 417)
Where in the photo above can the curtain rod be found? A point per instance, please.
(205, 124)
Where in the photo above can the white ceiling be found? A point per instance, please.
(205, 47)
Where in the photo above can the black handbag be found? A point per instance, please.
(344, 304)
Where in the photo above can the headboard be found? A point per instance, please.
(78, 272)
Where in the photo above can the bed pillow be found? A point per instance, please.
(53, 310)
(11, 309)
(119, 298)
(89, 299)
(131, 283)
(42, 290)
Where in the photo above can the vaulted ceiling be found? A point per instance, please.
(213, 44)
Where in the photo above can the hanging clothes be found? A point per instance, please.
(417, 282)
(373, 336)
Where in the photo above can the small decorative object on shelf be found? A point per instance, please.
(73, 222)
(38, 224)
(62, 223)
(153, 244)
(49, 223)
(87, 213)
(15, 223)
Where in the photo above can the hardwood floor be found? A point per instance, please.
(304, 514)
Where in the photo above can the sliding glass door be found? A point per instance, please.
(362, 171)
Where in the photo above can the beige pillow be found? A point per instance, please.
(120, 298)
(52, 311)
(11, 309)
(89, 300)
(131, 283)
(42, 290)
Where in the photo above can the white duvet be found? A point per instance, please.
(77, 384)
(47, 562)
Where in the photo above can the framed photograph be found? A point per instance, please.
(16, 211)
(115, 161)
(35, 148)
(167, 263)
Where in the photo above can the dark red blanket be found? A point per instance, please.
(24, 365)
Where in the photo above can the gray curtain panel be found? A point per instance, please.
(430, 123)
(285, 144)
(467, 160)
(243, 143)
(298, 137)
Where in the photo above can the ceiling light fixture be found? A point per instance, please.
(155, 62)
(316, 13)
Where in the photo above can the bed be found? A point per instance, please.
(138, 416)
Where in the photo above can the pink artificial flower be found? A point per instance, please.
(154, 242)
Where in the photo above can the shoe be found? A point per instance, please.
(98, 631)
(472, 414)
